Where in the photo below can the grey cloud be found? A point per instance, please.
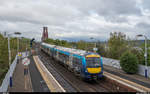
(145, 4)
(115, 19)
(68, 17)
(106, 7)
(143, 25)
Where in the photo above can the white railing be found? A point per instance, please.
(111, 62)
(141, 70)
(5, 83)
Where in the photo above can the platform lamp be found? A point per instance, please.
(17, 33)
(9, 52)
(145, 55)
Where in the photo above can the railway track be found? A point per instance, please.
(68, 80)
(73, 81)
(57, 74)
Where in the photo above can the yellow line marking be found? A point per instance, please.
(133, 85)
(51, 82)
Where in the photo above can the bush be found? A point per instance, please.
(129, 63)
(139, 55)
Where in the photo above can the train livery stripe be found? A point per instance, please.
(64, 52)
(92, 55)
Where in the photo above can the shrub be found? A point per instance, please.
(129, 63)
(140, 56)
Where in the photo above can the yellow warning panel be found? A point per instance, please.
(93, 56)
(94, 70)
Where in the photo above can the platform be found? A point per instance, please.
(18, 80)
(139, 81)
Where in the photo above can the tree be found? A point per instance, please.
(129, 62)
(3, 52)
(101, 49)
(82, 45)
(148, 53)
(117, 44)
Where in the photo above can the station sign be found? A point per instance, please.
(26, 61)
(19, 54)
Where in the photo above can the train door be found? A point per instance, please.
(70, 61)
(57, 55)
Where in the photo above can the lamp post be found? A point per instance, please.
(95, 49)
(9, 52)
(145, 55)
(17, 33)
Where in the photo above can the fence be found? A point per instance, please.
(111, 62)
(141, 70)
(5, 83)
(116, 64)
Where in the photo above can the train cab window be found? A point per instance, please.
(93, 62)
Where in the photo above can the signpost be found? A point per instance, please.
(25, 62)
(19, 57)
(19, 54)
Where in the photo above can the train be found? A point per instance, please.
(86, 65)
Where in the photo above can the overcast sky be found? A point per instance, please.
(75, 19)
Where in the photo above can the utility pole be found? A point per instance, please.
(17, 44)
(9, 52)
(145, 55)
(17, 33)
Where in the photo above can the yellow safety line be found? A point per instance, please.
(50, 75)
(46, 77)
(128, 83)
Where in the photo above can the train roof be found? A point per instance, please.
(70, 50)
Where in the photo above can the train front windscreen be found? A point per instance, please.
(93, 62)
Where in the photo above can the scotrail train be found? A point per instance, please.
(87, 65)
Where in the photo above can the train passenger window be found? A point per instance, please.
(77, 61)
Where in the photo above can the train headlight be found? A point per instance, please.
(86, 71)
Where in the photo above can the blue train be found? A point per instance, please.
(87, 65)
